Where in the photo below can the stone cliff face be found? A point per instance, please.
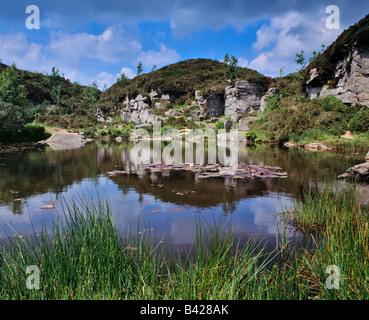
(351, 76)
(243, 98)
(211, 105)
(137, 110)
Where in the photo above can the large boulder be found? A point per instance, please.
(66, 141)
(358, 173)
(243, 123)
(264, 100)
(137, 110)
(243, 98)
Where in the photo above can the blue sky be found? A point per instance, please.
(91, 40)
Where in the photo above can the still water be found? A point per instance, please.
(167, 202)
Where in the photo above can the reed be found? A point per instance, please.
(84, 257)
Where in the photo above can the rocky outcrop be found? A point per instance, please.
(137, 110)
(351, 76)
(243, 98)
(235, 101)
(358, 173)
(243, 123)
(211, 105)
(264, 100)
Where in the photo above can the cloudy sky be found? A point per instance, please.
(95, 40)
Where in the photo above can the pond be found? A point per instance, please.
(168, 203)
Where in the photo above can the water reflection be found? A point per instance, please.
(168, 201)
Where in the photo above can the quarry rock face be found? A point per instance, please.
(211, 105)
(137, 110)
(243, 98)
(352, 74)
(358, 173)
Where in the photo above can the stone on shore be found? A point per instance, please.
(358, 173)
(315, 146)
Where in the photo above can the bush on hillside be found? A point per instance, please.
(360, 121)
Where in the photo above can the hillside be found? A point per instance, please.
(49, 99)
(320, 103)
(354, 38)
(39, 87)
(326, 99)
(179, 80)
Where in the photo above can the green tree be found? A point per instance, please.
(92, 94)
(300, 59)
(281, 72)
(13, 118)
(231, 67)
(315, 53)
(139, 68)
(56, 95)
(11, 88)
(53, 78)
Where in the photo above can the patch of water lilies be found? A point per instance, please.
(241, 171)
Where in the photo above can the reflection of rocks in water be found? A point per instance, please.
(209, 171)
(182, 189)
(153, 177)
(39, 173)
(166, 173)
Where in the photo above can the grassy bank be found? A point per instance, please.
(84, 257)
(291, 116)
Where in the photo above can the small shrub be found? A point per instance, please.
(102, 132)
(360, 121)
(252, 135)
(35, 132)
(219, 125)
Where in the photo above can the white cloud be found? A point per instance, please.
(242, 62)
(16, 48)
(105, 79)
(286, 35)
(128, 73)
(164, 56)
(113, 45)
(83, 57)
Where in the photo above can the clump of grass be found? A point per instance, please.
(341, 240)
(85, 257)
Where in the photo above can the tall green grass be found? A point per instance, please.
(85, 257)
(341, 239)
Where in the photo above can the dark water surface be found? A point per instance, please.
(167, 203)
